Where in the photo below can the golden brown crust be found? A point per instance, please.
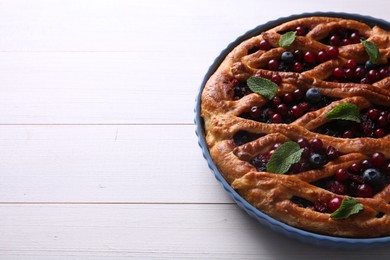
(272, 193)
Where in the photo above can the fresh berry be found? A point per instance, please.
(356, 168)
(355, 37)
(287, 57)
(303, 142)
(373, 177)
(378, 159)
(373, 75)
(313, 95)
(364, 190)
(277, 79)
(373, 114)
(276, 101)
(309, 57)
(282, 109)
(351, 64)
(297, 67)
(338, 73)
(298, 94)
(264, 45)
(322, 56)
(334, 204)
(298, 55)
(334, 40)
(288, 98)
(300, 30)
(369, 65)
(276, 119)
(273, 64)
(317, 160)
(316, 144)
(333, 52)
(296, 111)
(342, 174)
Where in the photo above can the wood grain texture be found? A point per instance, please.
(99, 159)
(148, 232)
(131, 164)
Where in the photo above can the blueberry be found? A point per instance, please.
(373, 177)
(369, 65)
(287, 57)
(317, 160)
(313, 95)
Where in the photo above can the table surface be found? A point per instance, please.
(99, 159)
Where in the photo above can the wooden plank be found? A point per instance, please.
(120, 25)
(149, 232)
(96, 88)
(134, 164)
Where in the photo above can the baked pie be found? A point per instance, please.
(297, 120)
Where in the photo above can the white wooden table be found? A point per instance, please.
(99, 159)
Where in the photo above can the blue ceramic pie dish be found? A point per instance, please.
(289, 231)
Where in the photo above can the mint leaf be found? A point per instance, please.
(283, 157)
(372, 51)
(349, 206)
(262, 86)
(287, 39)
(345, 111)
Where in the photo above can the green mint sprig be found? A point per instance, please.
(287, 39)
(262, 86)
(284, 156)
(349, 206)
(372, 51)
(345, 111)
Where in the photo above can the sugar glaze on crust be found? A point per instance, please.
(273, 193)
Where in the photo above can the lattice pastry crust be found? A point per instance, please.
(272, 193)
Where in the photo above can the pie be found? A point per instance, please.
(320, 88)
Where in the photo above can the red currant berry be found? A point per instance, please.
(296, 111)
(338, 73)
(356, 168)
(351, 64)
(298, 55)
(334, 40)
(300, 31)
(334, 204)
(360, 72)
(345, 42)
(379, 132)
(364, 191)
(309, 57)
(282, 109)
(316, 144)
(264, 45)
(333, 52)
(288, 98)
(342, 174)
(298, 94)
(297, 67)
(276, 101)
(277, 79)
(354, 38)
(373, 76)
(322, 56)
(303, 142)
(378, 159)
(276, 119)
(273, 64)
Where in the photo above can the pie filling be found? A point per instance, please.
(362, 179)
(354, 172)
